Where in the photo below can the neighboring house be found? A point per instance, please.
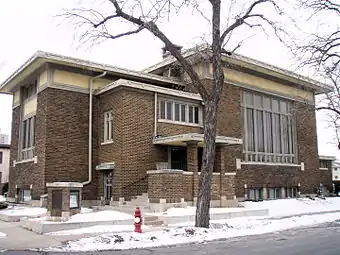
(4, 163)
(326, 168)
(147, 130)
(4, 139)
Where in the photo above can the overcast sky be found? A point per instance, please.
(28, 26)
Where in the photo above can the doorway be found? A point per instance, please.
(107, 187)
(177, 157)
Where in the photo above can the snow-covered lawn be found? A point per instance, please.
(287, 207)
(277, 208)
(97, 229)
(100, 216)
(180, 235)
(23, 211)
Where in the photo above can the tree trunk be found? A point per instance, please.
(205, 182)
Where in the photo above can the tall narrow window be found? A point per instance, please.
(169, 110)
(183, 113)
(28, 138)
(177, 112)
(108, 122)
(191, 114)
(268, 129)
(1, 157)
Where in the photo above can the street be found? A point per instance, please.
(321, 240)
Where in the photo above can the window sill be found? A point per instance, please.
(180, 123)
(270, 164)
(34, 160)
(106, 142)
(323, 168)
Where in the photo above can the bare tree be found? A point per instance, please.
(321, 52)
(145, 15)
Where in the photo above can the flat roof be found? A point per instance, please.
(323, 157)
(5, 146)
(40, 58)
(252, 64)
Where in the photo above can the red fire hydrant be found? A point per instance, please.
(138, 221)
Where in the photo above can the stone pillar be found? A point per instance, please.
(283, 192)
(265, 193)
(63, 199)
(220, 167)
(192, 164)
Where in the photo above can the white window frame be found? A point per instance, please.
(27, 146)
(187, 105)
(108, 131)
(267, 156)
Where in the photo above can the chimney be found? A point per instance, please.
(166, 53)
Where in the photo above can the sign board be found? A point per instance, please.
(74, 199)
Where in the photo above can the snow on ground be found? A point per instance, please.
(277, 208)
(2, 198)
(97, 229)
(24, 211)
(100, 216)
(180, 235)
(287, 207)
(2, 235)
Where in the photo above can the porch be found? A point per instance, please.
(176, 179)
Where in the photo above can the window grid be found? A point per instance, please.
(179, 112)
(268, 129)
(108, 122)
(28, 139)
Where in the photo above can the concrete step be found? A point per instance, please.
(154, 223)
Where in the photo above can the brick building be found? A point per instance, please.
(142, 124)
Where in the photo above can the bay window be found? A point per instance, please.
(268, 129)
(179, 112)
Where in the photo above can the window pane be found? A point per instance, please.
(1, 156)
(191, 114)
(266, 103)
(271, 193)
(183, 113)
(33, 131)
(277, 133)
(162, 110)
(258, 101)
(196, 115)
(176, 112)
(269, 132)
(283, 107)
(260, 131)
(275, 105)
(24, 134)
(249, 100)
(169, 110)
(28, 136)
(285, 132)
(250, 130)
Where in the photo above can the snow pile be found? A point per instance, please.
(180, 235)
(2, 235)
(97, 230)
(288, 207)
(24, 211)
(190, 210)
(2, 198)
(100, 216)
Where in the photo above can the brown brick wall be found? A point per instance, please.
(174, 186)
(168, 129)
(26, 174)
(67, 139)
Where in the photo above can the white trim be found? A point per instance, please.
(231, 174)
(148, 87)
(64, 185)
(180, 123)
(270, 164)
(322, 157)
(194, 137)
(323, 168)
(216, 173)
(188, 173)
(165, 171)
(34, 160)
(107, 142)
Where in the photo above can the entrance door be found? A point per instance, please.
(178, 158)
(107, 187)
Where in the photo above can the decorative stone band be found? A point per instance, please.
(176, 171)
(64, 185)
(239, 164)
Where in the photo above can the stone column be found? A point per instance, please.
(220, 167)
(192, 165)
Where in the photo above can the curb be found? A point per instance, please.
(302, 214)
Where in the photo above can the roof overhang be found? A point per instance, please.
(254, 65)
(40, 58)
(183, 139)
(322, 157)
(106, 166)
